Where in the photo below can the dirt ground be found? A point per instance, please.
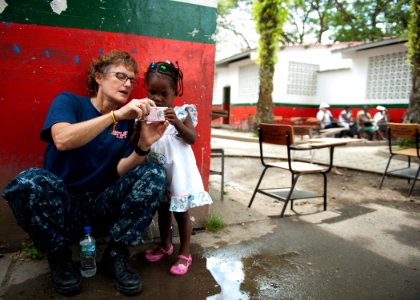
(353, 188)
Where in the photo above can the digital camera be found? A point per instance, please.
(156, 114)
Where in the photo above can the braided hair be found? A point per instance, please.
(169, 69)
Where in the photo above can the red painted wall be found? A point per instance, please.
(38, 62)
(242, 116)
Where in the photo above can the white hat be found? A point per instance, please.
(324, 105)
(379, 107)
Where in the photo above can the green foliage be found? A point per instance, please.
(269, 17)
(32, 252)
(225, 6)
(397, 17)
(348, 20)
(214, 223)
(413, 112)
(343, 20)
(406, 144)
(413, 33)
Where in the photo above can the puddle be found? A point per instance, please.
(229, 275)
(257, 276)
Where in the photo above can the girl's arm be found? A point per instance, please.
(185, 129)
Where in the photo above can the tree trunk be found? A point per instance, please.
(265, 102)
(270, 15)
(413, 112)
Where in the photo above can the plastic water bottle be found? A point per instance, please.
(87, 254)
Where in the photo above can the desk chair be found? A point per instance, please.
(284, 135)
(403, 131)
(219, 152)
(302, 131)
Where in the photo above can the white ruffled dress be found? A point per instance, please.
(185, 186)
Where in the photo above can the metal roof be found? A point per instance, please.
(234, 58)
(371, 45)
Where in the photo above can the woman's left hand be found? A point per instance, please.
(150, 133)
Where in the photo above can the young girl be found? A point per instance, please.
(185, 189)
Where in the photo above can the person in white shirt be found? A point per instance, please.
(346, 120)
(324, 116)
(326, 120)
(381, 119)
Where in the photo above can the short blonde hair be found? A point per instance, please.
(102, 64)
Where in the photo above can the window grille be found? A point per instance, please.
(302, 79)
(249, 83)
(388, 77)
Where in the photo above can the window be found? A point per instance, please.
(388, 77)
(302, 79)
(248, 83)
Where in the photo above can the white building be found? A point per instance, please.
(354, 74)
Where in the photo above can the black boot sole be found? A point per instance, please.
(68, 290)
(129, 291)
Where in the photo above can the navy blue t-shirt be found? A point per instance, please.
(92, 167)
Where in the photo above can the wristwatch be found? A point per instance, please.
(140, 151)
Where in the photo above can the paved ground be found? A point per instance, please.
(361, 251)
(363, 155)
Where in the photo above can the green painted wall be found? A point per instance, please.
(157, 18)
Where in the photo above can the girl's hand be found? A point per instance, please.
(170, 115)
(136, 108)
(184, 128)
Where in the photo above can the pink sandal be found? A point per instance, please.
(158, 256)
(181, 269)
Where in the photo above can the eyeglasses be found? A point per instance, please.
(124, 77)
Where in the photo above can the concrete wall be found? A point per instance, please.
(46, 48)
(341, 80)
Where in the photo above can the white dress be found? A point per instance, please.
(184, 184)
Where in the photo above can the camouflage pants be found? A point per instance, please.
(54, 218)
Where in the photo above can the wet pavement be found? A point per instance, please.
(363, 251)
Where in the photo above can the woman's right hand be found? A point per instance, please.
(136, 108)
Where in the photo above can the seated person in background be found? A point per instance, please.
(366, 125)
(325, 117)
(346, 120)
(326, 120)
(381, 119)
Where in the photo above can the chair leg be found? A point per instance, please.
(256, 188)
(386, 169)
(294, 181)
(414, 182)
(223, 175)
(409, 166)
(325, 190)
(291, 189)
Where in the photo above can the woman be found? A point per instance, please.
(92, 175)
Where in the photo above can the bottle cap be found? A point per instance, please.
(87, 229)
